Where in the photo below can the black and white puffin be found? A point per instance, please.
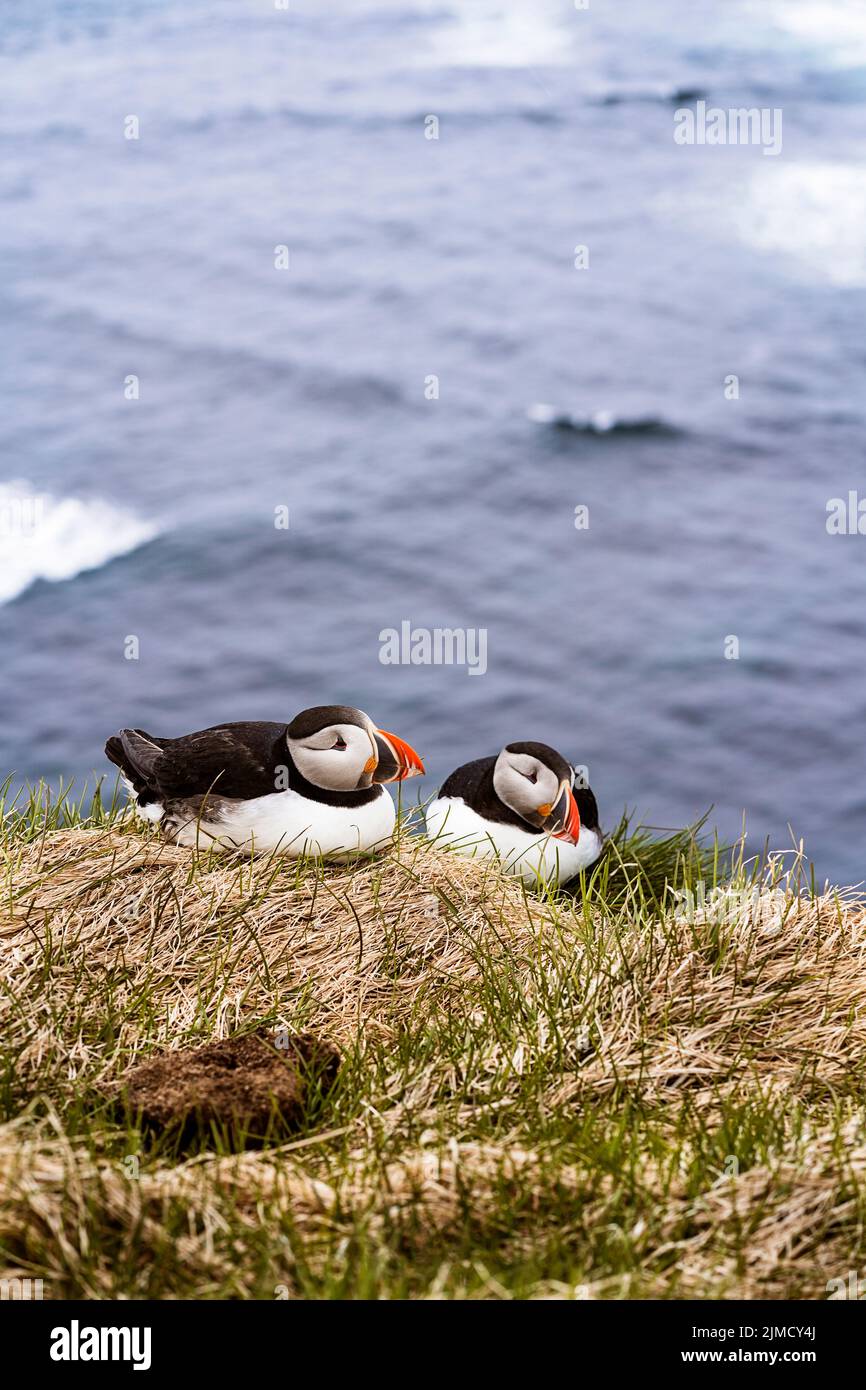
(313, 786)
(526, 807)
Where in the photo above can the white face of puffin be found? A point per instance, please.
(348, 754)
(538, 794)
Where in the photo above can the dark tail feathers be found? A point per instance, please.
(136, 755)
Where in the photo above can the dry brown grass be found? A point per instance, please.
(539, 1098)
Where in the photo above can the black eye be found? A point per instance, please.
(341, 742)
(531, 776)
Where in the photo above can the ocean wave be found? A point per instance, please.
(667, 96)
(599, 422)
(57, 538)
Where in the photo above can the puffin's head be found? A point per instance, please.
(340, 749)
(533, 780)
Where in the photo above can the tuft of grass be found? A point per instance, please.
(649, 1085)
(644, 862)
(29, 811)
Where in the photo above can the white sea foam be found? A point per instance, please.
(490, 34)
(834, 27)
(56, 538)
(599, 422)
(810, 217)
(812, 213)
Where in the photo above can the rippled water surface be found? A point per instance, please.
(412, 258)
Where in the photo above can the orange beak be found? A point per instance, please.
(397, 759)
(566, 816)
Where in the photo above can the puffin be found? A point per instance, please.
(314, 786)
(526, 807)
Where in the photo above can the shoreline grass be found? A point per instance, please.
(650, 1088)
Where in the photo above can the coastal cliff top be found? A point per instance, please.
(627, 1092)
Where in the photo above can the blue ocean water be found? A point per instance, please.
(412, 258)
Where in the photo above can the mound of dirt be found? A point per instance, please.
(246, 1087)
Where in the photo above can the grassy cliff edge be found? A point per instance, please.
(653, 1088)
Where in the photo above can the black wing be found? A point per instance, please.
(234, 760)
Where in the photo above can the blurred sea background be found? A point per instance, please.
(409, 258)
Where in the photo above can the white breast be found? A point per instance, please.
(292, 825)
(451, 822)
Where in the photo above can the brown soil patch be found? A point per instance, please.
(245, 1087)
